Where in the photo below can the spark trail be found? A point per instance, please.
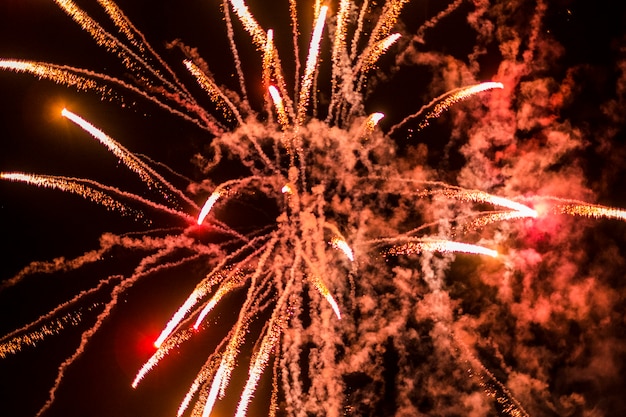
(435, 108)
(331, 244)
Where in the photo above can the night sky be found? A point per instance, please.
(574, 90)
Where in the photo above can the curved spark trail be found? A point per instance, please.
(435, 108)
(440, 246)
(327, 246)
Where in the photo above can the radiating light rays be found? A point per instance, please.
(106, 195)
(222, 280)
(85, 80)
(86, 336)
(318, 178)
(133, 61)
(226, 281)
(89, 25)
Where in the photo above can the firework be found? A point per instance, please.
(344, 270)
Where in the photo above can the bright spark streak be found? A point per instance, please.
(124, 155)
(321, 287)
(513, 205)
(461, 94)
(69, 76)
(219, 294)
(440, 245)
(489, 218)
(46, 325)
(88, 24)
(122, 22)
(379, 48)
(52, 72)
(215, 93)
(249, 23)
(147, 174)
(268, 58)
(287, 189)
(130, 59)
(372, 121)
(338, 52)
(280, 107)
(259, 363)
(191, 301)
(343, 246)
(83, 79)
(592, 211)
(339, 44)
(443, 103)
(388, 18)
(215, 387)
(208, 205)
(311, 63)
(70, 185)
(483, 197)
(580, 208)
(378, 43)
(161, 352)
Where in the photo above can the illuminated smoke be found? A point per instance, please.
(357, 256)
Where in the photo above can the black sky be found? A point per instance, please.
(38, 224)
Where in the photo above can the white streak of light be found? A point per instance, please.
(321, 287)
(208, 205)
(311, 62)
(343, 246)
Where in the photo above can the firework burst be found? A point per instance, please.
(347, 265)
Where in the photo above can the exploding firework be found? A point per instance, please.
(322, 265)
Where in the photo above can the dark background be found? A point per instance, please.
(39, 224)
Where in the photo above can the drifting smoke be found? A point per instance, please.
(452, 276)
